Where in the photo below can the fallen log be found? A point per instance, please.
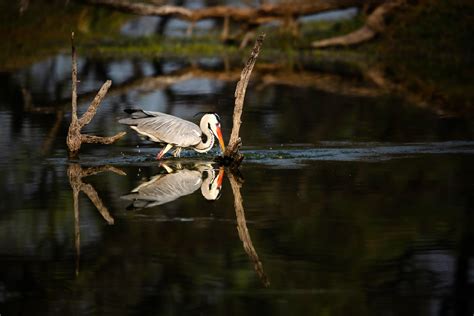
(374, 25)
(285, 13)
(264, 13)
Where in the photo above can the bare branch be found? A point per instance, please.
(361, 35)
(232, 149)
(74, 137)
(74, 79)
(144, 8)
(92, 109)
(92, 139)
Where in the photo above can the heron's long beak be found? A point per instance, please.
(220, 138)
(220, 177)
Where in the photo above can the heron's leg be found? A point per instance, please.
(177, 152)
(163, 151)
(167, 168)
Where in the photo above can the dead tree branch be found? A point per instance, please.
(232, 150)
(74, 136)
(374, 25)
(145, 8)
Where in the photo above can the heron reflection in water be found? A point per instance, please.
(175, 183)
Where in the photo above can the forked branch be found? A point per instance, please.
(74, 136)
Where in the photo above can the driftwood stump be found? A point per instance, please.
(74, 136)
(232, 156)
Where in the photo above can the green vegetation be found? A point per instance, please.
(153, 46)
(427, 47)
(44, 29)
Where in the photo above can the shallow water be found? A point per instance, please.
(350, 204)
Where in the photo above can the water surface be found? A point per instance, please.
(354, 200)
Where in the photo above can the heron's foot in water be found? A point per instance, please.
(166, 167)
(163, 151)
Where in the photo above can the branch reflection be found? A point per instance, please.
(236, 184)
(75, 174)
(179, 180)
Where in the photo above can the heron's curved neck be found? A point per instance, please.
(203, 147)
(206, 187)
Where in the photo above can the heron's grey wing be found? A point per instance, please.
(138, 114)
(166, 128)
(167, 187)
(149, 182)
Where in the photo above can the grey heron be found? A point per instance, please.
(167, 187)
(176, 132)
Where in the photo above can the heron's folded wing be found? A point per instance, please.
(170, 129)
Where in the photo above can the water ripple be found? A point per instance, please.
(286, 155)
(347, 151)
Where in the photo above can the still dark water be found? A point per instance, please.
(354, 202)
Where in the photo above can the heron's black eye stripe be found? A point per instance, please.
(217, 117)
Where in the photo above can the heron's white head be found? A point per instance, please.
(212, 185)
(213, 122)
